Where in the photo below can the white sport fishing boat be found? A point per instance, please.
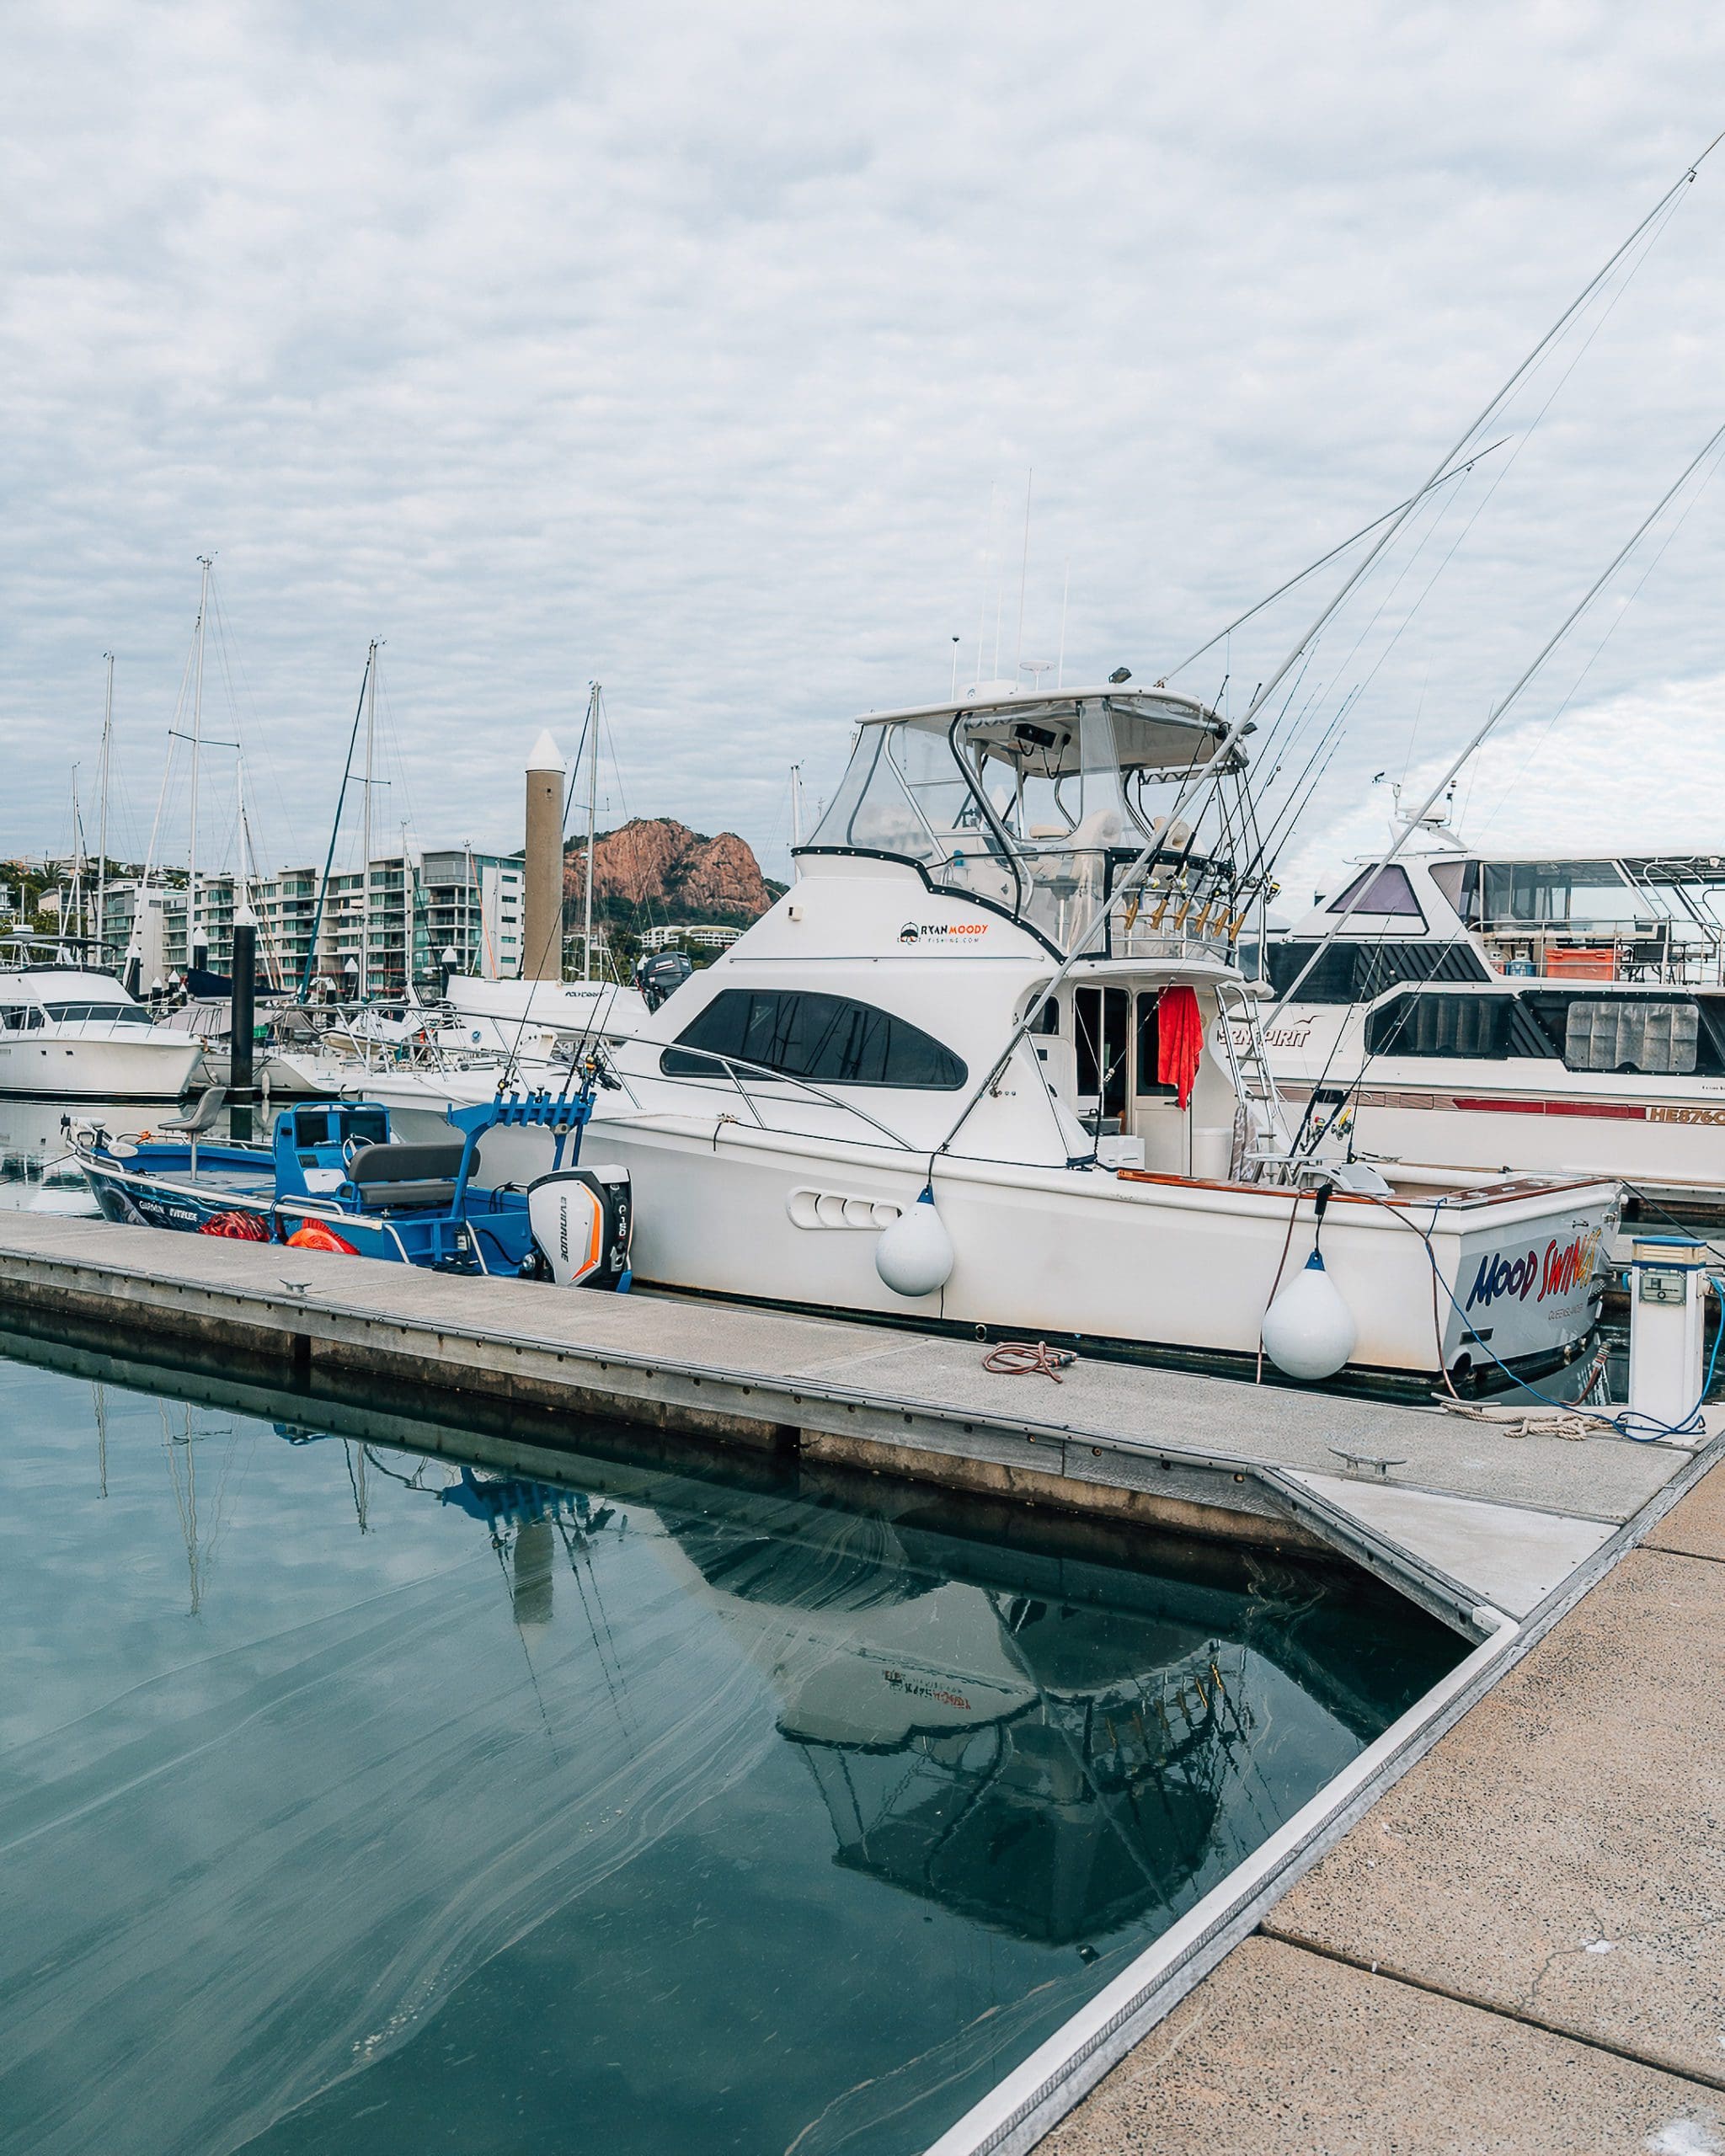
(70, 1031)
(1478, 1007)
(966, 1000)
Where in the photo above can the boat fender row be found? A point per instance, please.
(1309, 1332)
(580, 1219)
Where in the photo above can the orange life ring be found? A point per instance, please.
(314, 1236)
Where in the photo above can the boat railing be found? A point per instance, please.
(736, 1068)
(1534, 952)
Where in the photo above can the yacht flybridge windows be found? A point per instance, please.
(1356, 973)
(1554, 894)
(1655, 917)
(829, 1040)
(1034, 804)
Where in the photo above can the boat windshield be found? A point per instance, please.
(1533, 892)
(113, 1014)
(1653, 916)
(1036, 806)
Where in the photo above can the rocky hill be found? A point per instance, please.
(655, 869)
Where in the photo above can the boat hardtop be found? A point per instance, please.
(31, 994)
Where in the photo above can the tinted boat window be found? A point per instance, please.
(1443, 1025)
(828, 1039)
(1150, 1086)
(115, 1014)
(1390, 891)
(1355, 973)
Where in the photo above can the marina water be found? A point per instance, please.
(384, 1787)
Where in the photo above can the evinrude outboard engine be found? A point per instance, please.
(580, 1219)
(660, 975)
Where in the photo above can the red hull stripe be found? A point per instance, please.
(1506, 1104)
(1609, 1111)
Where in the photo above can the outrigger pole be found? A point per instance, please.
(1218, 763)
(1323, 561)
(1363, 882)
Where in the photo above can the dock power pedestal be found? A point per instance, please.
(1668, 1310)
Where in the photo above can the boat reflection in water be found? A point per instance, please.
(1046, 1767)
(395, 1787)
(1051, 1768)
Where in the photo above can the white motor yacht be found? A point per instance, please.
(1474, 1008)
(71, 1032)
(962, 1000)
(519, 1033)
(528, 1018)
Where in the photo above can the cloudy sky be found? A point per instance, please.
(707, 352)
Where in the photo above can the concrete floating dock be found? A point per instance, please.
(1470, 1517)
(1520, 1947)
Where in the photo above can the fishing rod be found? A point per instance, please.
(1300, 792)
(1363, 882)
(1272, 741)
(1279, 816)
(1323, 561)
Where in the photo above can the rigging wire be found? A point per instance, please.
(1611, 628)
(1369, 876)
(1323, 561)
(251, 730)
(1498, 477)
(1527, 675)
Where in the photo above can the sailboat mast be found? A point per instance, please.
(407, 919)
(796, 806)
(365, 821)
(102, 815)
(191, 881)
(75, 910)
(592, 820)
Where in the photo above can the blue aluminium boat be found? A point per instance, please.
(332, 1177)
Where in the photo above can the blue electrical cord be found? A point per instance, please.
(1693, 1424)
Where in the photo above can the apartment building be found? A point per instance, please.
(690, 936)
(382, 928)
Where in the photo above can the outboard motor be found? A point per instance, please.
(580, 1219)
(661, 975)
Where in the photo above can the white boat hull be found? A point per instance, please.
(72, 1066)
(1160, 1263)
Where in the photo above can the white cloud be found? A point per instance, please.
(683, 348)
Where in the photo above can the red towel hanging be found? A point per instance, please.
(1179, 1040)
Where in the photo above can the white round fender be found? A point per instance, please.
(1308, 1330)
(915, 1256)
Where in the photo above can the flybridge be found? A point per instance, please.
(1623, 918)
(1035, 805)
